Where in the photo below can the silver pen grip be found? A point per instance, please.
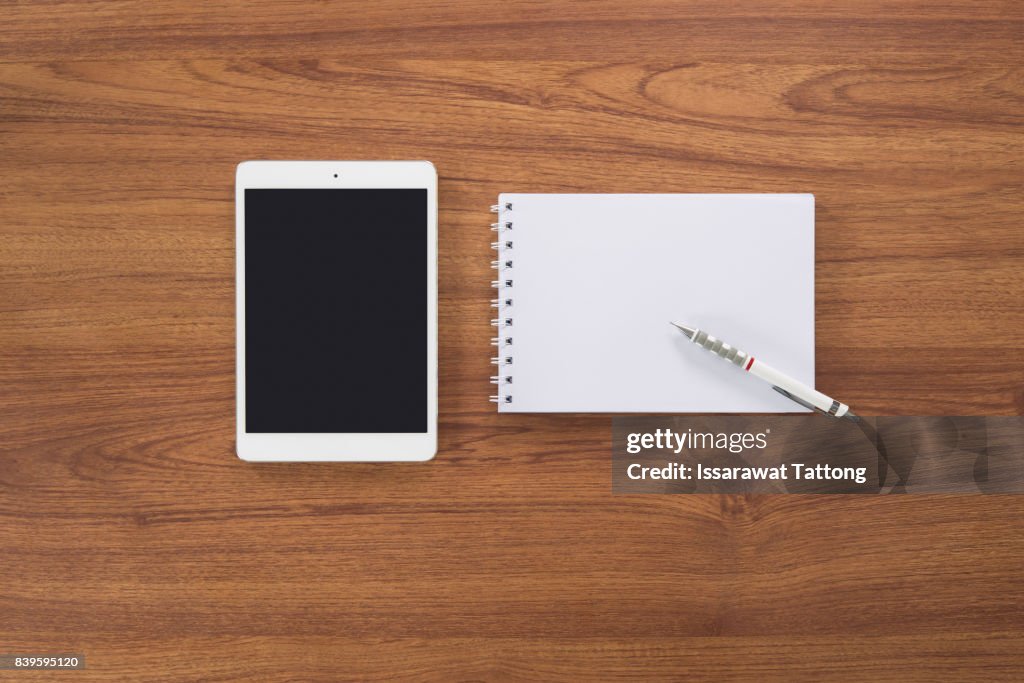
(720, 348)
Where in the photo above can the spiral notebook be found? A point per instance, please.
(587, 285)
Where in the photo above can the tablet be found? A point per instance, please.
(336, 306)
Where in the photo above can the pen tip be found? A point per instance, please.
(688, 331)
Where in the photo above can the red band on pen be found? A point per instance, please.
(749, 363)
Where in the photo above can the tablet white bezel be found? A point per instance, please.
(336, 174)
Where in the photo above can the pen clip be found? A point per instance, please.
(793, 398)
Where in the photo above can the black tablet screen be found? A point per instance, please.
(336, 310)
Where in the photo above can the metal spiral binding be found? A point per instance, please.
(503, 304)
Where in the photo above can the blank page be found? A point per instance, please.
(596, 280)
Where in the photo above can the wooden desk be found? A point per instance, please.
(130, 532)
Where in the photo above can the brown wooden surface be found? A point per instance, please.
(130, 532)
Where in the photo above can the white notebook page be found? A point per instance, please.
(597, 279)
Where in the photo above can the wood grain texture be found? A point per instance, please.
(130, 532)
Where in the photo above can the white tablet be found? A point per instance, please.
(337, 310)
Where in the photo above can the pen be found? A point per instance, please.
(781, 382)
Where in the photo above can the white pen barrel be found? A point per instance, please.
(794, 389)
(825, 404)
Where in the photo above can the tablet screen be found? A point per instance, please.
(336, 310)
